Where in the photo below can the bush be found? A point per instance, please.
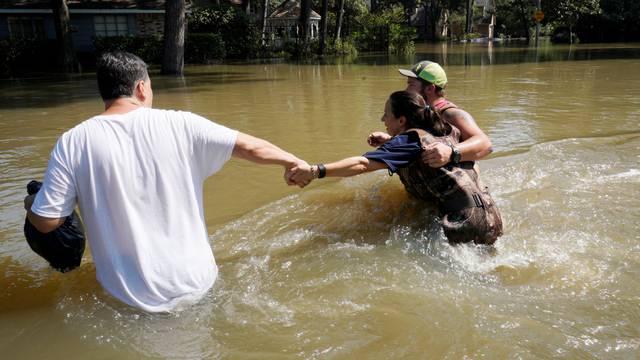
(401, 39)
(19, 56)
(301, 49)
(203, 48)
(239, 33)
(199, 48)
(385, 31)
(148, 48)
(471, 36)
(343, 47)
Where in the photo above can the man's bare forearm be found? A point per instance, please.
(262, 152)
(475, 144)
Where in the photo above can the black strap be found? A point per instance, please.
(462, 202)
(322, 171)
(465, 165)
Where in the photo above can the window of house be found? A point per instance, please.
(110, 25)
(26, 27)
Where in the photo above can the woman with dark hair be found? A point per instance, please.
(467, 210)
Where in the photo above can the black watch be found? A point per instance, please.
(455, 155)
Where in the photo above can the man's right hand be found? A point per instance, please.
(301, 175)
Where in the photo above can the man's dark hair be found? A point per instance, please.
(118, 73)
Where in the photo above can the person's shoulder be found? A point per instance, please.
(81, 128)
(172, 114)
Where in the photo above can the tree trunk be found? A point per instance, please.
(323, 25)
(339, 19)
(174, 29)
(432, 18)
(67, 59)
(525, 22)
(265, 9)
(305, 20)
(469, 24)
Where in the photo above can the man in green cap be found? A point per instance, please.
(428, 79)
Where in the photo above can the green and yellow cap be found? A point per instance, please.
(428, 71)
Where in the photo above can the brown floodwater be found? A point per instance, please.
(353, 268)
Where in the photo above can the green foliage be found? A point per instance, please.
(300, 49)
(342, 47)
(567, 12)
(401, 39)
(18, 56)
(239, 32)
(471, 36)
(199, 48)
(384, 31)
(148, 48)
(514, 17)
(204, 48)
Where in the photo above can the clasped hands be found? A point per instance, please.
(300, 174)
(435, 155)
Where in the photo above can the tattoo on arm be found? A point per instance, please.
(460, 115)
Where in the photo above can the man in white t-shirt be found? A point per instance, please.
(137, 175)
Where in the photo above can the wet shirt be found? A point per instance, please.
(138, 180)
(398, 152)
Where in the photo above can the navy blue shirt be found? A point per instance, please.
(398, 152)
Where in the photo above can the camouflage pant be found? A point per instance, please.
(482, 225)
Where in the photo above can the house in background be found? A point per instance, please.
(88, 19)
(283, 25)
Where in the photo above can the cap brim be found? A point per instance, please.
(408, 73)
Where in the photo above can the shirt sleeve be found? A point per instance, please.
(212, 143)
(398, 152)
(57, 196)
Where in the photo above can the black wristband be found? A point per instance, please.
(322, 171)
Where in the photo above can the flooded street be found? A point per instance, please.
(352, 268)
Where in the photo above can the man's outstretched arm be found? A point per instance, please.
(260, 151)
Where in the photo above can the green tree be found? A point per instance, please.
(515, 16)
(568, 12)
(620, 20)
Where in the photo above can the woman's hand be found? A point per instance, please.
(301, 175)
(378, 138)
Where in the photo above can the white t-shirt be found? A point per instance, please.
(138, 180)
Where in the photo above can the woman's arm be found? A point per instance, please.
(343, 168)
